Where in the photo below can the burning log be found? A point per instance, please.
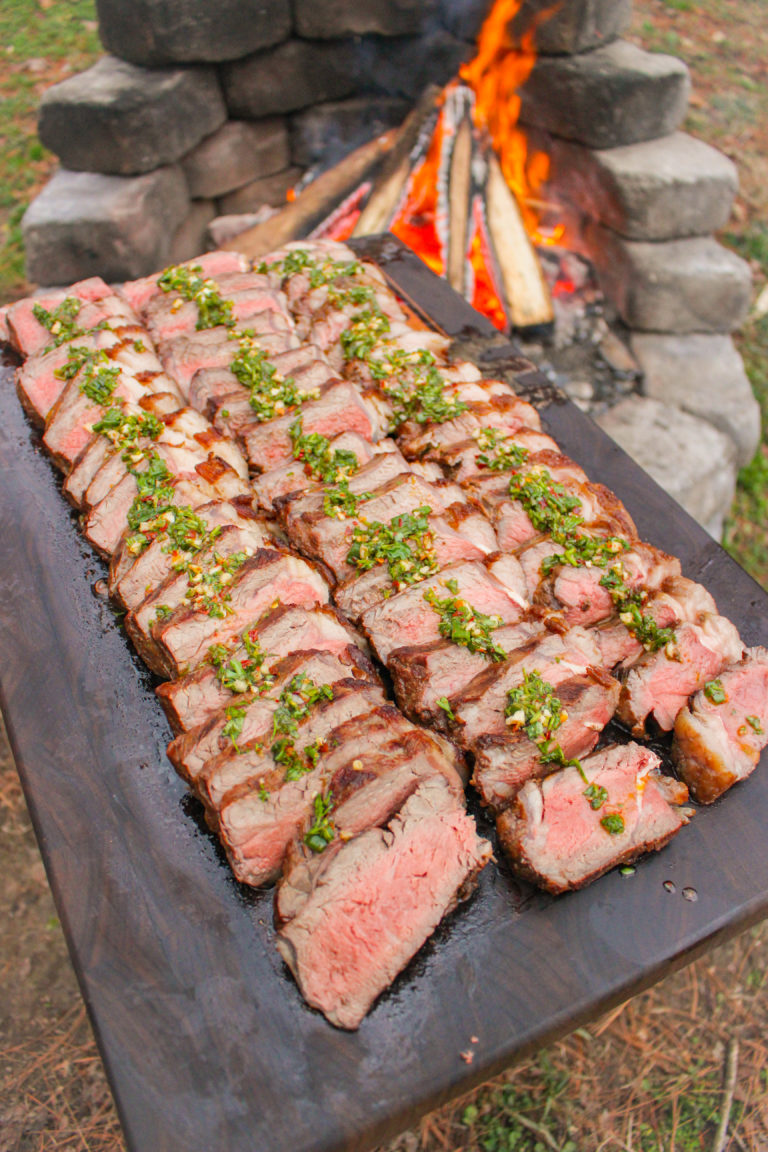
(525, 292)
(316, 201)
(458, 187)
(390, 185)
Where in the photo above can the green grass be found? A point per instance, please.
(39, 45)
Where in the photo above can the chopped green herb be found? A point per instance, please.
(271, 394)
(61, 322)
(340, 503)
(296, 701)
(77, 358)
(296, 763)
(534, 706)
(321, 462)
(363, 334)
(596, 795)
(446, 707)
(628, 603)
(99, 383)
(405, 545)
(613, 823)
(234, 725)
(462, 624)
(125, 430)
(263, 794)
(550, 506)
(498, 452)
(755, 725)
(241, 675)
(322, 831)
(715, 692)
(208, 582)
(212, 308)
(162, 612)
(424, 401)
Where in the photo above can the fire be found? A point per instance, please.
(416, 222)
(495, 75)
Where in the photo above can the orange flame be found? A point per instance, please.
(496, 74)
(415, 223)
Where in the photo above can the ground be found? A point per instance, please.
(657, 1074)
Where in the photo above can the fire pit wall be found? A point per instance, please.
(211, 107)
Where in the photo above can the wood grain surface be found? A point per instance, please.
(207, 1043)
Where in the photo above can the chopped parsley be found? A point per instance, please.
(715, 692)
(550, 506)
(424, 401)
(212, 308)
(596, 795)
(534, 706)
(322, 831)
(341, 504)
(125, 430)
(462, 624)
(62, 321)
(208, 582)
(271, 394)
(321, 462)
(613, 823)
(755, 725)
(296, 701)
(234, 725)
(77, 358)
(244, 674)
(628, 602)
(405, 545)
(444, 703)
(99, 382)
(296, 763)
(498, 452)
(363, 334)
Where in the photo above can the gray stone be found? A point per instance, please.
(329, 131)
(662, 189)
(119, 227)
(336, 18)
(122, 120)
(702, 375)
(191, 237)
(270, 190)
(185, 31)
(689, 458)
(226, 228)
(672, 286)
(285, 79)
(236, 154)
(406, 66)
(573, 27)
(614, 95)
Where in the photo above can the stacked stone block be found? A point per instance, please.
(206, 107)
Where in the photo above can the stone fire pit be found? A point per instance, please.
(205, 108)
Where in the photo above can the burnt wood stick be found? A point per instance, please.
(527, 296)
(459, 203)
(315, 202)
(397, 167)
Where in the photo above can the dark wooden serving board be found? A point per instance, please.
(206, 1040)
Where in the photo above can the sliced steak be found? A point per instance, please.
(409, 619)
(424, 675)
(506, 412)
(183, 639)
(660, 683)
(554, 836)
(220, 263)
(479, 709)
(193, 699)
(504, 763)
(28, 335)
(189, 752)
(369, 908)
(295, 478)
(720, 735)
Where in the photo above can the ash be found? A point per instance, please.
(586, 351)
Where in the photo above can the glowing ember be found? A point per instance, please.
(416, 222)
(485, 297)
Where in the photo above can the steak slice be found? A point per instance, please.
(461, 460)
(408, 619)
(424, 675)
(369, 907)
(504, 763)
(660, 683)
(183, 639)
(220, 263)
(181, 586)
(260, 814)
(479, 709)
(189, 752)
(192, 699)
(295, 478)
(720, 735)
(339, 409)
(28, 335)
(555, 837)
(506, 412)
(384, 463)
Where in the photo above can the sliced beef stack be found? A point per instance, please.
(293, 481)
